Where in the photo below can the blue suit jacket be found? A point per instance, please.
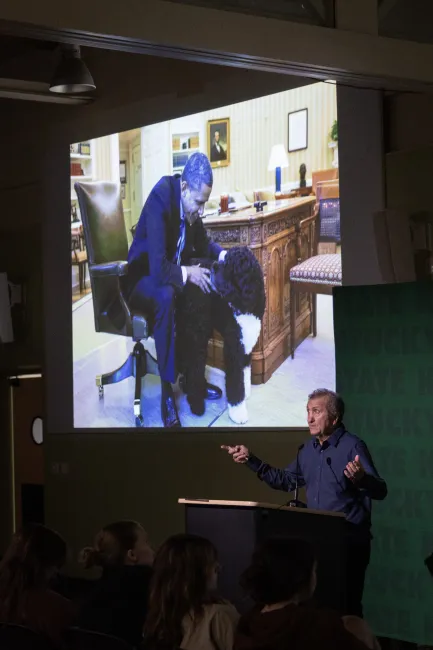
(155, 241)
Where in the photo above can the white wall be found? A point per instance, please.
(106, 164)
(255, 126)
(155, 154)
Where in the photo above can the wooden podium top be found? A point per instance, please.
(257, 504)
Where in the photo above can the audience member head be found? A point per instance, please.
(196, 186)
(123, 543)
(185, 575)
(34, 556)
(282, 570)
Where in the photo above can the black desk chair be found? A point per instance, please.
(107, 251)
(18, 637)
(78, 639)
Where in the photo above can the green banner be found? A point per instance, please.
(384, 371)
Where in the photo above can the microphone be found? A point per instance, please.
(295, 503)
(329, 463)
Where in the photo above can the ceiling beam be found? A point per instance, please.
(242, 41)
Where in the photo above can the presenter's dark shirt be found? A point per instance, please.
(326, 485)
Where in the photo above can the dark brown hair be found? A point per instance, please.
(335, 404)
(35, 552)
(280, 569)
(111, 545)
(179, 587)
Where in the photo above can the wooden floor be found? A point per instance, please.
(278, 403)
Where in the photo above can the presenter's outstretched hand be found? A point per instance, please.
(239, 453)
(199, 277)
(354, 470)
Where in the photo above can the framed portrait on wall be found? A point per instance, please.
(218, 142)
(298, 130)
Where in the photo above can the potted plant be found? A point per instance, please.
(333, 136)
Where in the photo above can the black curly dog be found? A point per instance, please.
(235, 309)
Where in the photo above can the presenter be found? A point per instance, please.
(339, 475)
(169, 233)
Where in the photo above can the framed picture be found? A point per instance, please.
(122, 171)
(298, 130)
(218, 142)
(85, 148)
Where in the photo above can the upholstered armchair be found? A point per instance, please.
(107, 251)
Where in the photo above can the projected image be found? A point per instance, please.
(203, 255)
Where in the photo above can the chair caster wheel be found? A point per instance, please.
(101, 392)
(139, 421)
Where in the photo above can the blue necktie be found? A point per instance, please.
(180, 241)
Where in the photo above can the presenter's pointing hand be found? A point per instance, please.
(354, 470)
(239, 453)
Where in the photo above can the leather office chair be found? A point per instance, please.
(107, 251)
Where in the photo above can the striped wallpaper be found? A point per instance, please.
(258, 124)
(255, 126)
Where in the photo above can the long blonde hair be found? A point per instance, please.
(179, 586)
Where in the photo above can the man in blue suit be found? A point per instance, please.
(169, 233)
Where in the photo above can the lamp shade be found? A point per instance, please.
(71, 75)
(278, 157)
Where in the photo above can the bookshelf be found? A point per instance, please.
(82, 159)
(183, 145)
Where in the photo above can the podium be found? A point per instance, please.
(237, 527)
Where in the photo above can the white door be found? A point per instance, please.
(156, 155)
(137, 185)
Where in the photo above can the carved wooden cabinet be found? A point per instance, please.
(276, 236)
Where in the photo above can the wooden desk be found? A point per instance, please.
(272, 236)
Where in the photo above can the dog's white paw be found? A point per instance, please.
(239, 413)
(247, 381)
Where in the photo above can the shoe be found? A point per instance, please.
(169, 414)
(212, 392)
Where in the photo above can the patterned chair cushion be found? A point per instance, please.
(320, 269)
(330, 220)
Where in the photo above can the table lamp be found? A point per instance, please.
(277, 160)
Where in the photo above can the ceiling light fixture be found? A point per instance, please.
(71, 75)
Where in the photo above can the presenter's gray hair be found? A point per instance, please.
(335, 402)
(197, 171)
